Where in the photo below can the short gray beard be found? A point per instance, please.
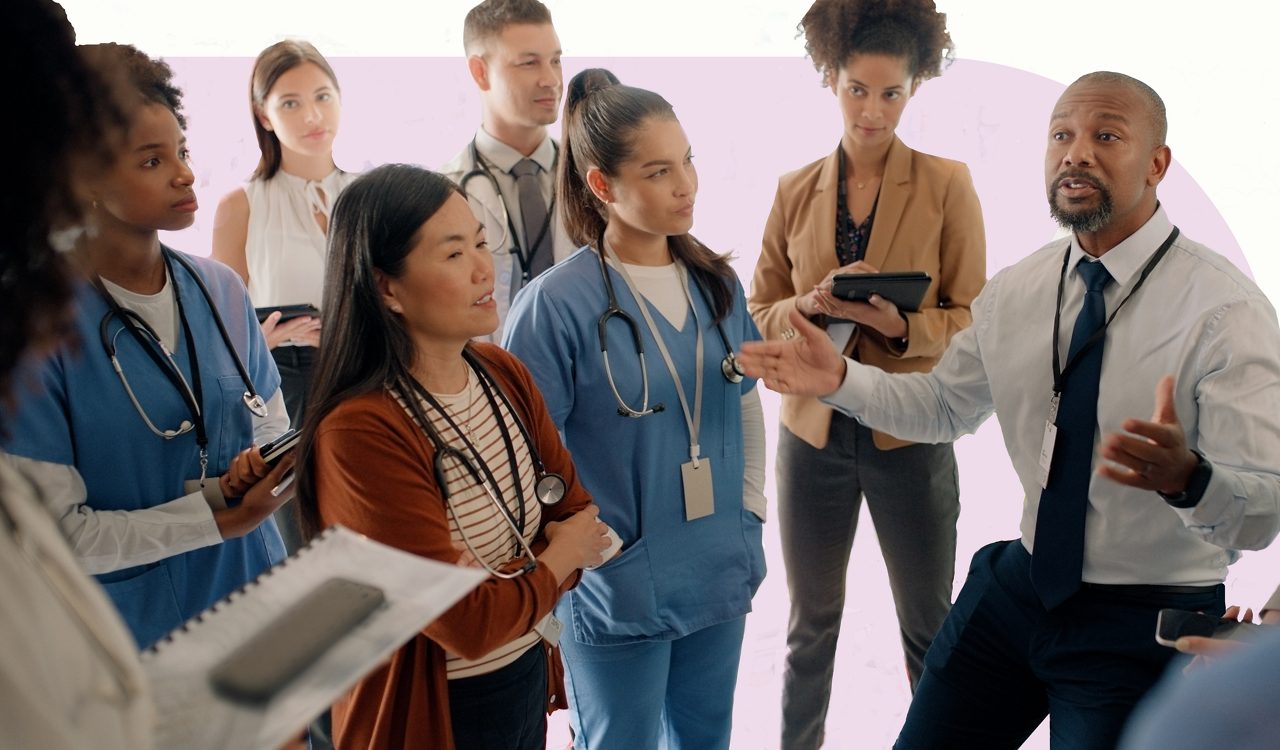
(1084, 220)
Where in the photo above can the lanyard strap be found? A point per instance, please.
(692, 421)
(1060, 374)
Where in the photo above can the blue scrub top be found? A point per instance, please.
(673, 577)
(72, 409)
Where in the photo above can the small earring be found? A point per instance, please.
(397, 309)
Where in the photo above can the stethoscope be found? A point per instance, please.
(729, 367)
(480, 168)
(192, 392)
(548, 487)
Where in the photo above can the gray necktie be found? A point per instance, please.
(533, 214)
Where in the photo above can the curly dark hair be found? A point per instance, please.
(153, 79)
(914, 30)
(70, 119)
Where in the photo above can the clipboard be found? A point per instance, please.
(192, 715)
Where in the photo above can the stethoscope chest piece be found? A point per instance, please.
(730, 368)
(257, 406)
(550, 488)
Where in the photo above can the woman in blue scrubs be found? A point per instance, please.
(148, 464)
(670, 444)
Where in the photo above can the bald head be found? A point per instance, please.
(1149, 104)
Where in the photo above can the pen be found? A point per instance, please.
(284, 484)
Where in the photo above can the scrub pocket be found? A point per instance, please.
(235, 428)
(147, 604)
(752, 534)
(615, 603)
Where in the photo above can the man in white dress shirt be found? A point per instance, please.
(1134, 514)
(508, 169)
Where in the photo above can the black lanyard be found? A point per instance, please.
(1060, 374)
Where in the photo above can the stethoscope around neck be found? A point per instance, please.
(729, 367)
(480, 169)
(549, 488)
(191, 391)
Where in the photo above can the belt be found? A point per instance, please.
(1136, 589)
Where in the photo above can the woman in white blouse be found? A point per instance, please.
(273, 230)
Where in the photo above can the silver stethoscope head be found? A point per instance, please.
(549, 489)
(259, 407)
(731, 370)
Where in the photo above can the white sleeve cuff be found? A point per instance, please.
(854, 393)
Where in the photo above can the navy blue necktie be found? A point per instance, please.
(1058, 556)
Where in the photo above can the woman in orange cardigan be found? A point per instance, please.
(441, 447)
(872, 205)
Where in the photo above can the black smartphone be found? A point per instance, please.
(275, 450)
(1172, 624)
(266, 663)
(287, 312)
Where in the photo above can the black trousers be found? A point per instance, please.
(294, 364)
(1001, 663)
(502, 710)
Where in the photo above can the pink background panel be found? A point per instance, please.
(749, 121)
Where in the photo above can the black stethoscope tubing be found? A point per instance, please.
(149, 341)
(480, 168)
(729, 366)
(549, 487)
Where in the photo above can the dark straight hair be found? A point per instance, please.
(363, 346)
(273, 62)
(601, 119)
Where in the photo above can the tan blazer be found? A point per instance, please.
(928, 219)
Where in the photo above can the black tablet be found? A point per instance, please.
(287, 312)
(905, 289)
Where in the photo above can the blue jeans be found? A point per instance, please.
(1001, 663)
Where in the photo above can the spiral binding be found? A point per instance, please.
(155, 648)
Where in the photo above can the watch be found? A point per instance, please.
(1197, 483)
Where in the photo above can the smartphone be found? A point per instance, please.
(1172, 624)
(275, 450)
(262, 666)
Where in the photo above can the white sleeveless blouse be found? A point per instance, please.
(285, 248)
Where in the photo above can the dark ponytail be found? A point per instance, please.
(601, 117)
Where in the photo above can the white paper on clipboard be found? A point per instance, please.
(191, 716)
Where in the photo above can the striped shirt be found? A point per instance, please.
(472, 506)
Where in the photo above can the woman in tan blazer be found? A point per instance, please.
(872, 205)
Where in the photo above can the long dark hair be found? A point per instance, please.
(364, 347)
(601, 117)
(273, 62)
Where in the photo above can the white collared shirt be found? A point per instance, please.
(1197, 317)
